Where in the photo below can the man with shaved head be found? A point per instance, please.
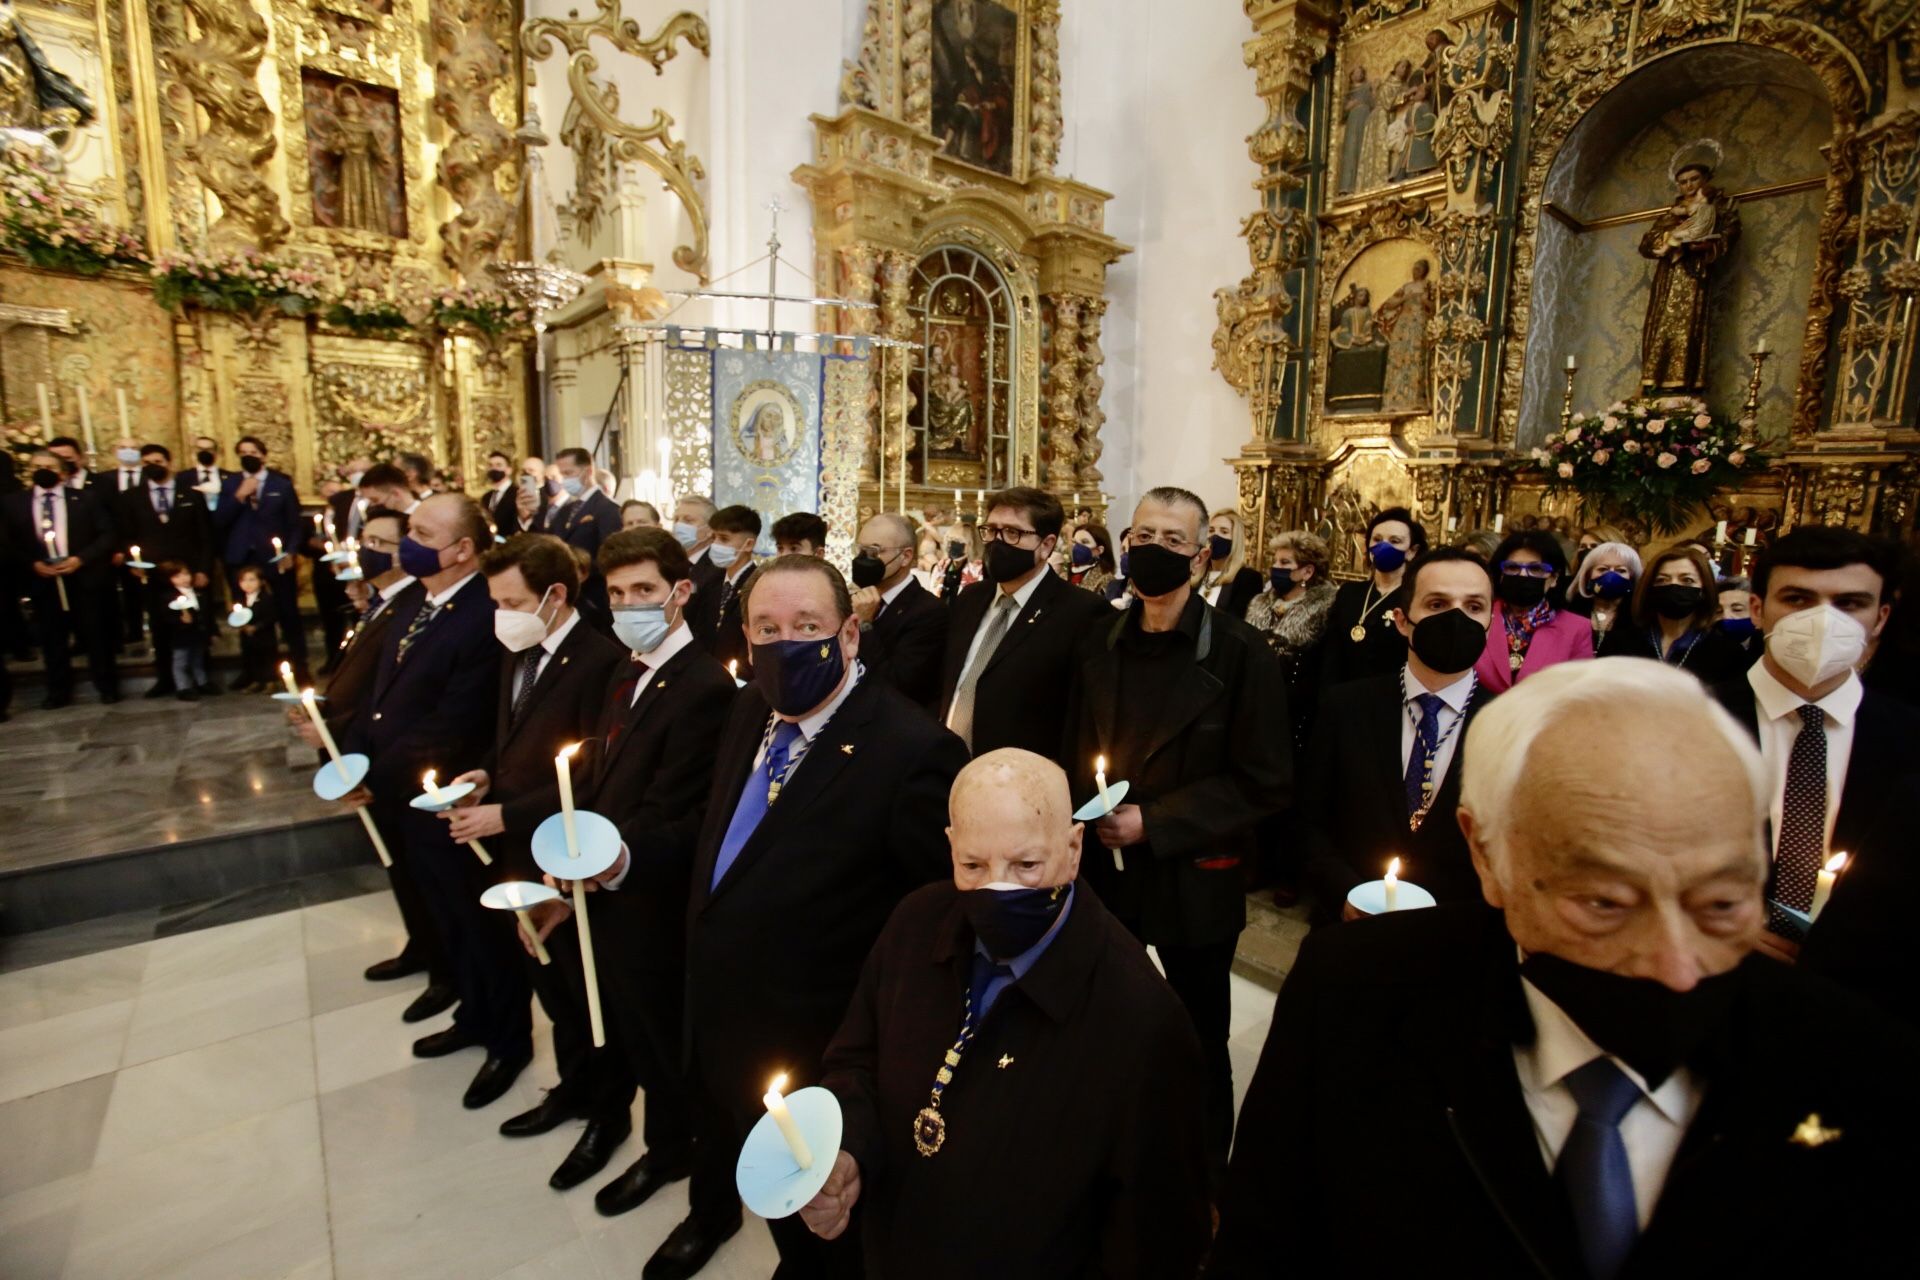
(1599, 1077)
(903, 626)
(1009, 1033)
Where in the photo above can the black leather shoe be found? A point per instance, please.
(108, 699)
(433, 1000)
(590, 1155)
(554, 1110)
(634, 1187)
(495, 1077)
(687, 1249)
(159, 690)
(442, 1043)
(55, 701)
(210, 690)
(401, 966)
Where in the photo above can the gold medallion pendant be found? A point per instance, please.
(929, 1131)
(1358, 633)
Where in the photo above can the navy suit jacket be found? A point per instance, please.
(436, 709)
(247, 529)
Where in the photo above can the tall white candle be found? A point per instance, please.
(1392, 883)
(526, 923)
(52, 552)
(46, 409)
(1100, 781)
(1499, 521)
(1752, 533)
(1571, 366)
(1720, 531)
(320, 726)
(286, 677)
(120, 398)
(86, 414)
(563, 770)
(783, 1120)
(1824, 881)
(1762, 348)
(432, 789)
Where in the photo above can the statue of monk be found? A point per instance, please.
(1685, 241)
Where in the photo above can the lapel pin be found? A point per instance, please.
(1811, 1133)
(846, 748)
(565, 660)
(1006, 1060)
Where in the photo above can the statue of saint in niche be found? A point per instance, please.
(357, 143)
(1685, 241)
(949, 405)
(35, 100)
(1403, 318)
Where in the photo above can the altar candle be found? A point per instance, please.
(277, 553)
(783, 1118)
(1076, 500)
(1720, 532)
(526, 922)
(979, 498)
(1571, 366)
(1499, 521)
(1762, 348)
(46, 410)
(1823, 883)
(286, 676)
(563, 769)
(86, 414)
(134, 552)
(1752, 533)
(1453, 523)
(956, 504)
(1392, 883)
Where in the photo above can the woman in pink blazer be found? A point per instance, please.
(1528, 634)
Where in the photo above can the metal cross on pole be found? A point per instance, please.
(775, 207)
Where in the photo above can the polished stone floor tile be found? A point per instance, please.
(352, 922)
(23, 951)
(215, 953)
(67, 986)
(367, 1040)
(171, 1098)
(36, 1228)
(52, 1134)
(334, 978)
(174, 1018)
(60, 1050)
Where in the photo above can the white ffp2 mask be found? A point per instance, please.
(1815, 645)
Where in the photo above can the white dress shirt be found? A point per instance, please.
(59, 496)
(547, 647)
(677, 639)
(1021, 595)
(1652, 1130)
(1453, 700)
(1778, 711)
(388, 593)
(891, 594)
(129, 478)
(435, 599)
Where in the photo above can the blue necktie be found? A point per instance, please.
(1593, 1166)
(753, 799)
(1426, 741)
(988, 980)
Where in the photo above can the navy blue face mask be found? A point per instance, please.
(1220, 545)
(1611, 585)
(419, 561)
(1386, 557)
(1740, 629)
(795, 676)
(1008, 920)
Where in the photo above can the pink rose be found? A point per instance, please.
(1600, 457)
(1611, 424)
(1656, 426)
(1666, 460)
(1737, 458)
(1566, 471)
(1702, 421)
(1702, 465)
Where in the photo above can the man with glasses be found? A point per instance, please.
(1009, 658)
(903, 627)
(1189, 705)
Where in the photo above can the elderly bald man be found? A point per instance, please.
(1022, 1091)
(1600, 1077)
(903, 626)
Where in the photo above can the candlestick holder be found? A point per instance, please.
(1751, 408)
(239, 617)
(770, 1181)
(1566, 402)
(1370, 899)
(599, 845)
(1103, 803)
(441, 799)
(336, 778)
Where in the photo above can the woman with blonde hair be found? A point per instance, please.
(1228, 584)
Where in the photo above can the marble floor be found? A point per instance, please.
(237, 1101)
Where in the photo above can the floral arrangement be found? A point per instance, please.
(466, 307)
(367, 317)
(45, 223)
(245, 282)
(1652, 458)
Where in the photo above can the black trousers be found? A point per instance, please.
(1202, 977)
(644, 1010)
(158, 594)
(132, 605)
(330, 597)
(89, 616)
(285, 588)
(423, 932)
(594, 1081)
(482, 950)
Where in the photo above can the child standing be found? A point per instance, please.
(259, 647)
(191, 631)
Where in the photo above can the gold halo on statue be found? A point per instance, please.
(1701, 153)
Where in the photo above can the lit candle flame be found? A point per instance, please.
(513, 894)
(733, 667)
(1393, 869)
(1836, 863)
(136, 553)
(1099, 764)
(427, 781)
(566, 752)
(779, 1084)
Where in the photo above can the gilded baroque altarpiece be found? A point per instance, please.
(1454, 197)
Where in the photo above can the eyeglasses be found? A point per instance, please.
(1526, 569)
(878, 552)
(1172, 540)
(1013, 535)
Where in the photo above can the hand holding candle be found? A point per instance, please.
(429, 783)
(312, 706)
(783, 1118)
(526, 922)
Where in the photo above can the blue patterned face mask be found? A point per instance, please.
(797, 675)
(1612, 585)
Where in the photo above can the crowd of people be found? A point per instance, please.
(1647, 1000)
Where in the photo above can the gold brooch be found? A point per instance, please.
(846, 748)
(1811, 1133)
(1006, 1060)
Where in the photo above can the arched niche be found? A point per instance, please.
(1772, 116)
(965, 376)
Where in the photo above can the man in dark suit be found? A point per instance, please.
(1599, 1079)
(1820, 595)
(72, 465)
(730, 568)
(1057, 994)
(498, 501)
(256, 507)
(903, 625)
(692, 532)
(1382, 769)
(647, 768)
(1011, 640)
(116, 485)
(581, 516)
(167, 520)
(829, 794)
(553, 679)
(433, 707)
(63, 535)
(1188, 704)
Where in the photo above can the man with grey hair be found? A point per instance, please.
(1599, 1077)
(903, 626)
(1058, 995)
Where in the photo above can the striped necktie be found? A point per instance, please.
(414, 629)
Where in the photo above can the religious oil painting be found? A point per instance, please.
(1393, 89)
(353, 155)
(976, 81)
(1379, 353)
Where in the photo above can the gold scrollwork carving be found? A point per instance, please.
(230, 155)
(1043, 131)
(1087, 473)
(469, 60)
(1063, 390)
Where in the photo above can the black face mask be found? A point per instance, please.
(154, 473)
(1646, 1024)
(1009, 921)
(956, 550)
(374, 563)
(46, 477)
(796, 676)
(1448, 641)
(495, 475)
(68, 467)
(204, 457)
(868, 571)
(1282, 580)
(1523, 593)
(1675, 600)
(251, 464)
(1158, 571)
(1005, 562)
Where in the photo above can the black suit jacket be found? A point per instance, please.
(1021, 700)
(352, 681)
(1123, 1163)
(703, 607)
(186, 535)
(1217, 761)
(775, 949)
(566, 706)
(647, 769)
(435, 709)
(1381, 649)
(903, 646)
(728, 640)
(90, 533)
(502, 510)
(1353, 809)
(1864, 937)
(1392, 1049)
(586, 522)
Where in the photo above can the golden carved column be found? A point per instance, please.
(858, 266)
(917, 54)
(896, 322)
(1092, 417)
(469, 62)
(1063, 390)
(1043, 137)
(219, 71)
